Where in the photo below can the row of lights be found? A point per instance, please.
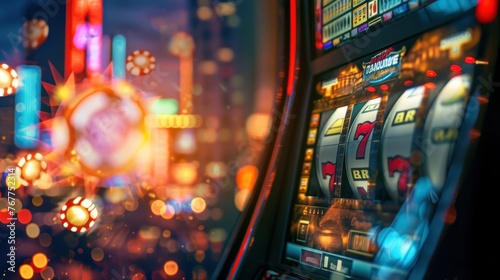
(455, 68)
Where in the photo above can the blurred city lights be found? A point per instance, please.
(40, 260)
(246, 176)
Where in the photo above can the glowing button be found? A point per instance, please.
(78, 214)
(31, 168)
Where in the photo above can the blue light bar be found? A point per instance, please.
(27, 106)
(119, 48)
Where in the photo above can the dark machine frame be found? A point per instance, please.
(256, 247)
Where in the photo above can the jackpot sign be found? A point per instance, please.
(383, 66)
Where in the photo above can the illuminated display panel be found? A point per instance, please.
(380, 141)
(83, 38)
(339, 21)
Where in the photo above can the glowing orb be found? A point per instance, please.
(34, 32)
(78, 214)
(102, 130)
(140, 63)
(30, 169)
(9, 81)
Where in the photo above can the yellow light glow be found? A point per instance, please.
(40, 260)
(184, 173)
(26, 271)
(174, 121)
(116, 195)
(258, 125)
(125, 89)
(31, 169)
(198, 205)
(157, 207)
(241, 199)
(5, 78)
(77, 215)
(45, 181)
(9, 181)
(64, 93)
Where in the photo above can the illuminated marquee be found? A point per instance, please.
(383, 66)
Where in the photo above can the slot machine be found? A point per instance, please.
(380, 166)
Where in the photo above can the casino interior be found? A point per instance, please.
(241, 139)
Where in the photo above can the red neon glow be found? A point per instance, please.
(455, 68)
(470, 60)
(384, 87)
(24, 216)
(408, 83)
(293, 47)
(83, 13)
(371, 89)
(431, 73)
(486, 10)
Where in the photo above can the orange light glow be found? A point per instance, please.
(430, 85)
(26, 271)
(258, 125)
(40, 260)
(184, 173)
(246, 176)
(168, 213)
(483, 100)
(5, 216)
(158, 207)
(198, 205)
(171, 268)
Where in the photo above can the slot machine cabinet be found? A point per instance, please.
(380, 164)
